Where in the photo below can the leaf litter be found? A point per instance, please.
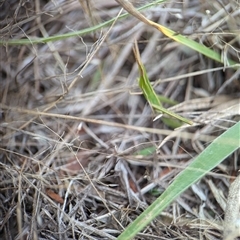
(62, 182)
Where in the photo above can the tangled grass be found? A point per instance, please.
(79, 156)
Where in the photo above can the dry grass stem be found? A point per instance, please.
(80, 154)
(232, 212)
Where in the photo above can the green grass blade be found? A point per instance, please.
(172, 122)
(146, 151)
(178, 37)
(166, 100)
(172, 114)
(34, 40)
(147, 88)
(149, 92)
(215, 153)
(194, 45)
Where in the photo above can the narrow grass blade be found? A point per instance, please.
(166, 100)
(146, 151)
(172, 114)
(34, 40)
(193, 45)
(176, 36)
(144, 82)
(208, 52)
(149, 92)
(215, 153)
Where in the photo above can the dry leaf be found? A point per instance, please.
(133, 185)
(74, 165)
(54, 196)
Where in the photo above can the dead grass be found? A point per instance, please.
(73, 121)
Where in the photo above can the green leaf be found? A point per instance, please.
(82, 32)
(149, 92)
(167, 100)
(172, 122)
(215, 153)
(146, 151)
